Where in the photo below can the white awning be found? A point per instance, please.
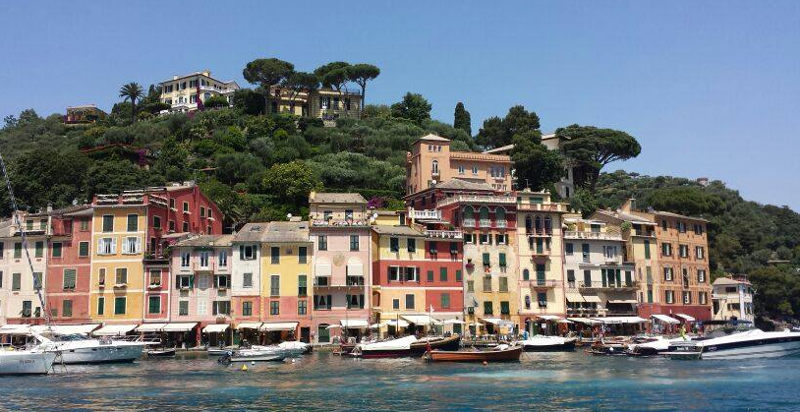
(564, 321)
(421, 320)
(323, 269)
(114, 330)
(585, 321)
(150, 327)
(248, 325)
(216, 328)
(666, 319)
(401, 323)
(493, 321)
(685, 317)
(548, 317)
(15, 329)
(179, 327)
(591, 298)
(355, 269)
(574, 297)
(624, 301)
(334, 326)
(453, 322)
(618, 320)
(65, 329)
(278, 326)
(354, 323)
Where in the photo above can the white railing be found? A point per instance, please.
(445, 234)
(425, 214)
(574, 234)
(469, 222)
(501, 223)
(486, 222)
(543, 207)
(478, 199)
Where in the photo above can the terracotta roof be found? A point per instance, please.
(347, 198)
(625, 216)
(670, 214)
(207, 241)
(433, 138)
(273, 232)
(459, 184)
(397, 230)
(500, 149)
(727, 281)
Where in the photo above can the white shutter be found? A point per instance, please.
(138, 245)
(113, 245)
(125, 246)
(100, 246)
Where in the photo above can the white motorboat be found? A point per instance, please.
(544, 343)
(37, 359)
(393, 348)
(79, 349)
(652, 346)
(749, 344)
(295, 347)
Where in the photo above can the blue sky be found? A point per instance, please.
(709, 88)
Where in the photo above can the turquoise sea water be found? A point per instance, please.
(321, 381)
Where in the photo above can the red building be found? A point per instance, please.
(69, 266)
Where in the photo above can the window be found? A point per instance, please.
(66, 308)
(302, 307)
(274, 308)
(131, 245)
(83, 249)
(275, 255)
(668, 275)
(101, 305)
(409, 301)
(487, 308)
(39, 249)
(84, 224)
(26, 308)
(461, 169)
(443, 274)
(154, 304)
(185, 207)
(484, 239)
(121, 276)
(468, 238)
(698, 229)
(185, 257)
(702, 298)
(394, 244)
(666, 249)
(430, 276)
(183, 308)
(541, 298)
(669, 296)
(156, 222)
(412, 274)
(101, 276)
(445, 300)
(302, 254)
(647, 249)
(411, 245)
(504, 308)
(470, 286)
(584, 251)
(17, 250)
(202, 211)
(502, 260)
(501, 239)
(222, 258)
(503, 284)
(171, 225)
(684, 250)
(458, 276)
(354, 243)
(37, 280)
(247, 308)
(701, 276)
(435, 167)
(540, 274)
(486, 260)
(526, 274)
(69, 278)
(119, 305)
(395, 304)
(487, 283)
(453, 248)
(133, 223)
(106, 246)
(186, 227)
(475, 169)
(687, 297)
(57, 249)
(682, 227)
(664, 224)
(322, 242)
(221, 307)
(108, 223)
(274, 285)
(184, 282)
(571, 278)
(155, 277)
(302, 285)
(568, 249)
(394, 274)
(1, 279)
(247, 252)
(699, 252)
(204, 259)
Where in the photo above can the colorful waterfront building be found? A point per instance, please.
(541, 257)
(246, 281)
(69, 264)
(285, 273)
(431, 161)
(201, 266)
(416, 278)
(341, 238)
(182, 91)
(600, 281)
(19, 301)
(732, 298)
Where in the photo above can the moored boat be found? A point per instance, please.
(501, 353)
(749, 344)
(394, 348)
(543, 343)
(161, 352)
(77, 349)
(450, 343)
(612, 348)
(36, 360)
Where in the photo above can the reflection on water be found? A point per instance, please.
(321, 381)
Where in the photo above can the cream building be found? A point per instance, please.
(732, 298)
(19, 301)
(181, 92)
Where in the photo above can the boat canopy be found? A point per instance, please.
(66, 329)
(618, 320)
(564, 321)
(421, 320)
(666, 319)
(278, 326)
(585, 321)
(15, 329)
(179, 327)
(114, 330)
(394, 344)
(354, 323)
(493, 321)
(150, 327)
(216, 328)
(248, 325)
(685, 317)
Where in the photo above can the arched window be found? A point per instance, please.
(538, 223)
(435, 167)
(548, 224)
(469, 212)
(526, 274)
(528, 224)
(527, 301)
(500, 214)
(484, 212)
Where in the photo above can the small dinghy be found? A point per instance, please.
(500, 353)
(160, 352)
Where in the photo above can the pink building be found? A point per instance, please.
(69, 265)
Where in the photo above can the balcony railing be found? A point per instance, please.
(485, 222)
(337, 222)
(445, 234)
(542, 207)
(488, 199)
(501, 224)
(543, 283)
(607, 285)
(574, 234)
(425, 214)
(469, 222)
(644, 233)
(539, 232)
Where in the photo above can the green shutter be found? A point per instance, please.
(486, 261)
(503, 259)
(443, 274)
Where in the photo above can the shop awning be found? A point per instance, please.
(354, 323)
(216, 328)
(666, 319)
(624, 301)
(493, 321)
(585, 321)
(15, 329)
(574, 297)
(685, 317)
(618, 320)
(150, 327)
(591, 298)
(114, 330)
(179, 327)
(65, 329)
(278, 326)
(248, 325)
(564, 321)
(453, 322)
(548, 317)
(401, 323)
(421, 320)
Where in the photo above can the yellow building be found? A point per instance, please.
(181, 91)
(324, 103)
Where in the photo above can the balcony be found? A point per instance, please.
(542, 207)
(469, 223)
(539, 232)
(485, 223)
(486, 199)
(542, 283)
(445, 234)
(338, 222)
(425, 214)
(612, 260)
(574, 234)
(502, 224)
(606, 285)
(644, 233)
(197, 267)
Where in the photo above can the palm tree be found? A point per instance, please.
(132, 91)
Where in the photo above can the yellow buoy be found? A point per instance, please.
(244, 368)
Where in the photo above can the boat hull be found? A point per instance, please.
(507, 355)
(381, 353)
(273, 357)
(568, 346)
(758, 348)
(102, 354)
(452, 343)
(26, 363)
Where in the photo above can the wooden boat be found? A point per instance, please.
(452, 343)
(616, 348)
(502, 353)
(160, 352)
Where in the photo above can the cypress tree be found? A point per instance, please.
(461, 119)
